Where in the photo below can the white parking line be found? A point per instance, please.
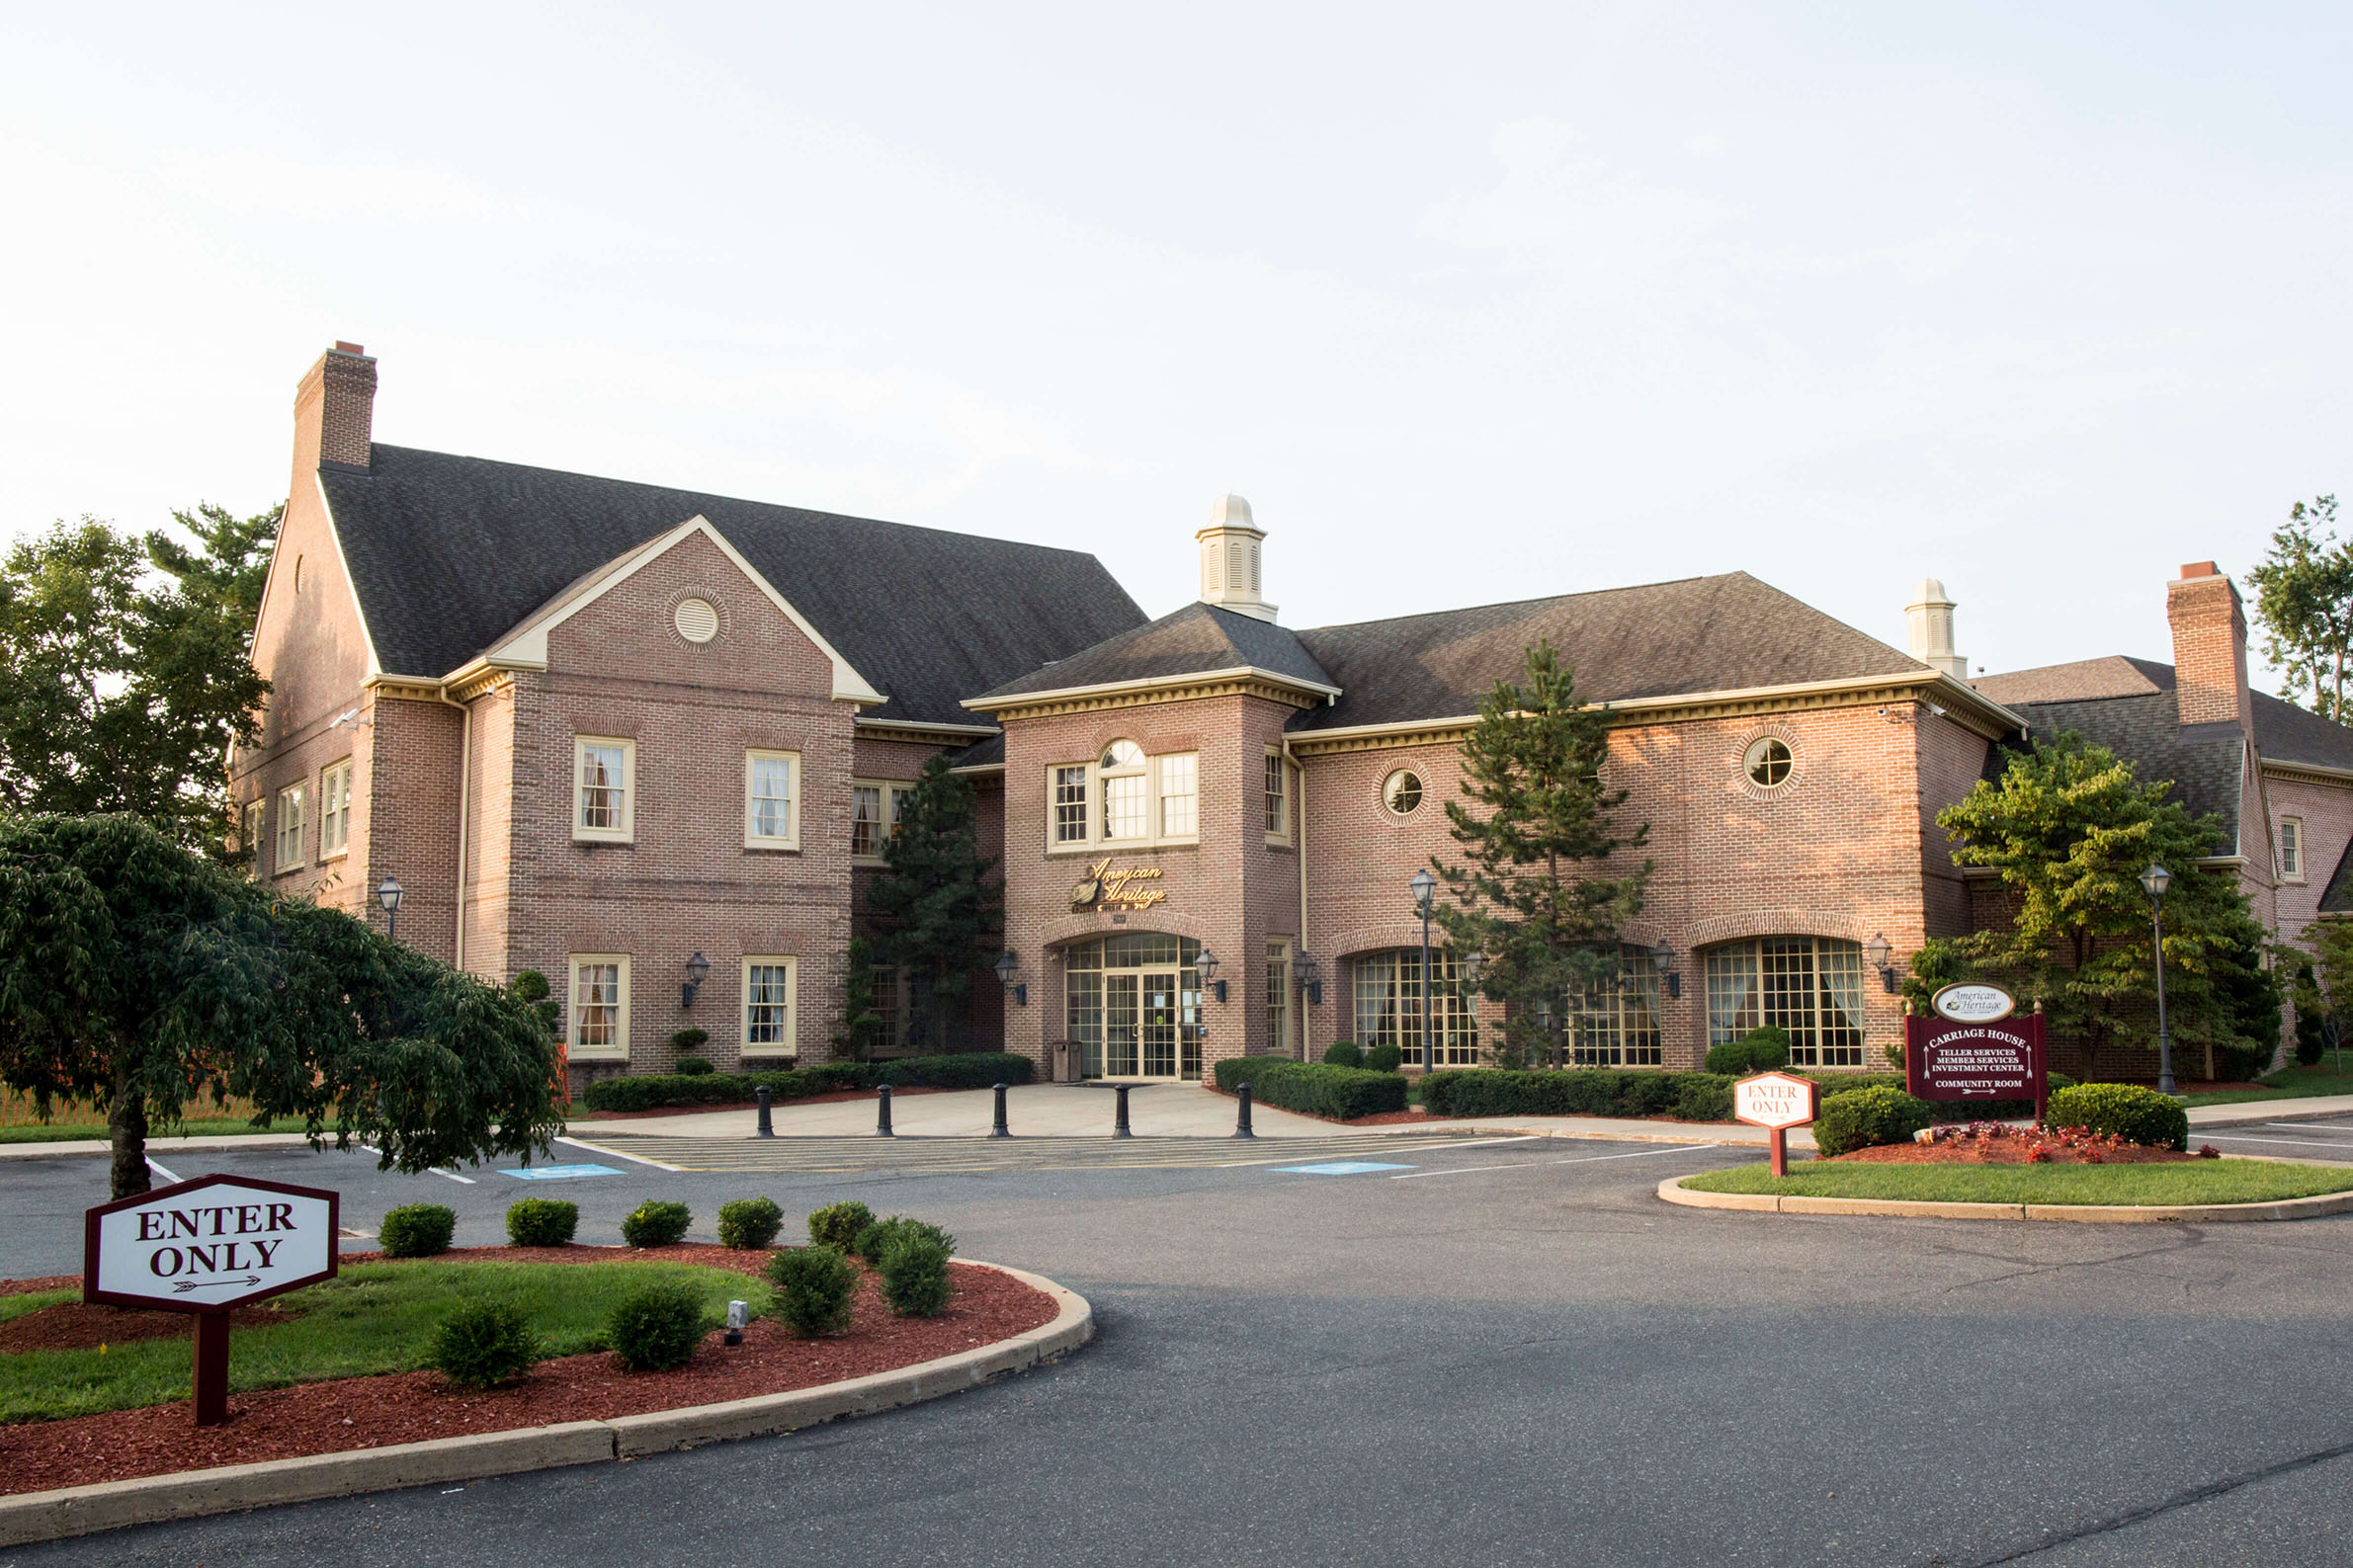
(2314, 1126)
(1582, 1159)
(168, 1177)
(2300, 1143)
(451, 1175)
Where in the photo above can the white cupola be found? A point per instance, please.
(1229, 559)
(1931, 616)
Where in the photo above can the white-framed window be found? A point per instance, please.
(604, 789)
(1140, 800)
(887, 1011)
(772, 800)
(1767, 762)
(2292, 849)
(1277, 799)
(249, 843)
(290, 830)
(770, 1001)
(334, 809)
(875, 808)
(1811, 988)
(1278, 997)
(600, 1010)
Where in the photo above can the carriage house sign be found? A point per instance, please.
(206, 1247)
(1976, 1048)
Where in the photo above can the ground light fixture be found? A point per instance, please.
(1008, 964)
(1881, 957)
(2155, 881)
(387, 893)
(697, 970)
(1424, 885)
(1206, 965)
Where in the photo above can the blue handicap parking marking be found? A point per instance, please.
(559, 1173)
(1338, 1168)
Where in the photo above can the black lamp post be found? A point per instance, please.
(2155, 881)
(697, 970)
(1425, 885)
(1008, 964)
(389, 895)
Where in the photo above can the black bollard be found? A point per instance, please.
(882, 1114)
(1241, 1121)
(1118, 1125)
(1000, 1131)
(767, 1127)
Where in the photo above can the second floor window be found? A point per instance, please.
(1070, 804)
(1125, 813)
(875, 812)
(334, 809)
(1143, 799)
(603, 772)
(770, 782)
(1278, 797)
(289, 829)
(2292, 849)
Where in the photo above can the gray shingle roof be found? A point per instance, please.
(449, 552)
(2203, 764)
(2337, 897)
(1661, 639)
(2287, 733)
(1194, 641)
(2283, 732)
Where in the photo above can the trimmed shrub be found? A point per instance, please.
(417, 1230)
(1761, 1050)
(652, 1091)
(749, 1223)
(1860, 1117)
(656, 1224)
(482, 1343)
(1704, 1097)
(541, 1222)
(1343, 1053)
(692, 1067)
(1315, 1088)
(1383, 1059)
(915, 1275)
(1577, 1092)
(657, 1328)
(875, 1241)
(2133, 1113)
(814, 1287)
(838, 1225)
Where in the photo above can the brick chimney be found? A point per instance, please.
(335, 411)
(2209, 647)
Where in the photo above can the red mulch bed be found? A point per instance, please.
(1994, 1144)
(410, 1407)
(76, 1326)
(835, 1098)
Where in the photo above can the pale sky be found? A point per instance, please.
(1472, 302)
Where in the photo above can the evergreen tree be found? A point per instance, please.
(935, 901)
(137, 975)
(861, 1024)
(1539, 826)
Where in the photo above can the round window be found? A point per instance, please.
(1767, 762)
(1402, 792)
(696, 620)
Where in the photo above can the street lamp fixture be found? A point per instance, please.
(1663, 959)
(389, 895)
(1206, 965)
(697, 970)
(2155, 881)
(1304, 968)
(1007, 965)
(1424, 885)
(1881, 958)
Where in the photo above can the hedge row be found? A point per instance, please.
(1313, 1088)
(1634, 1091)
(648, 1091)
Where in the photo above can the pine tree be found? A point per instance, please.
(934, 902)
(1539, 823)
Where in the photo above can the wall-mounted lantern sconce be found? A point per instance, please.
(1881, 958)
(697, 970)
(1312, 987)
(1007, 965)
(389, 895)
(1662, 957)
(1206, 967)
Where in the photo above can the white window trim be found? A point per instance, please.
(279, 864)
(2304, 856)
(1098, 808)
(1290, 794)
(791, 839)
(327, 777)
(573, 1049)
(251, 823)
(792, 968)
(892, 791)
(627, 833)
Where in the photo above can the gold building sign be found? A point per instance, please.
(1115, 887)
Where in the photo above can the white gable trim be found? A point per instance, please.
(359, 610)
(526, 647)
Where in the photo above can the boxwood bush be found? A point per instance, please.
(915, 1278)
(1654, 1093)
(652, 1091)
(838, 1225)
(1343, 1053)
(1760, 1050)
(875, 1242)
(814, 1288)
(2133, 1113)
(657, 1328)
(541, 1222)
(482, 1343)
(417, 1230)
(1315, 1088)
(656, 1224)
(1857, 1119)
(1383, 1059)
(749, 1223)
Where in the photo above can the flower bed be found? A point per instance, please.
(1992, 1143)
(2183, 1179)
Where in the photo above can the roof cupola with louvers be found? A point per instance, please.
(1229, 565)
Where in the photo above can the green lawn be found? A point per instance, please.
(2205, 1181)
(194, 1126)
(2288, 1084)
(373, 1317)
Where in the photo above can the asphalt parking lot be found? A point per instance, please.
(1506, 1353)
(2282, 1140)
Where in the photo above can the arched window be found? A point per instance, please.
(1616, 1026)
(1809, 987)
(1388, 1006)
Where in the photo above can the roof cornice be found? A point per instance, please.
(1245, 680)
(2306, 772)
(919, 730)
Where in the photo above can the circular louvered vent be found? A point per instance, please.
(697, 622)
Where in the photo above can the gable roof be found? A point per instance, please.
(1199, 639)
(1724, 633)
(2283, 732)
(449, 554)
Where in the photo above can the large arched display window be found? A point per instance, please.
(1811, 988)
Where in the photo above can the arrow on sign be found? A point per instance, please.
(202, 1284)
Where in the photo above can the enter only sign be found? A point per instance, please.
(208, 1244)
(1777, 1102)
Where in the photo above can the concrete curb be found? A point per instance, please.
(191, 1494)
(1673, 1190)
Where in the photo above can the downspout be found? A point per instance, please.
(1298, 834)
(465, 746)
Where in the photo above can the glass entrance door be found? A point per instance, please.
(1159, 1024)
(1119, 1025)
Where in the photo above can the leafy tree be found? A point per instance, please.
(1537, 815)
(2070, 831)
(137, 975)
(2304, 596)
(934, 899)
(123, 683)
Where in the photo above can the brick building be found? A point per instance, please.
(602, 729)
